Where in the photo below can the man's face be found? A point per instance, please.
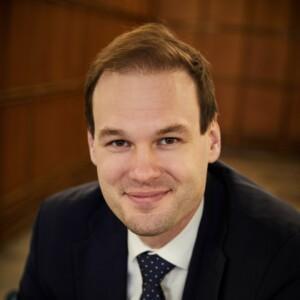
(150, 156)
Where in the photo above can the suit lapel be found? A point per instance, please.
(208, 259)
(100, 262)
(204, 279)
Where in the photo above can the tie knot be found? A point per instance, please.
(153, 267)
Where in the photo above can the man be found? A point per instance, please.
(167, 220)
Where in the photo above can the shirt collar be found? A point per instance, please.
(178, 251)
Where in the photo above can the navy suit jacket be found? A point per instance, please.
(247, 247)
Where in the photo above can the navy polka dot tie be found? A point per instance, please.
(153, 269)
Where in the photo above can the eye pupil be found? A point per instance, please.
(119, 143)
(169, 140)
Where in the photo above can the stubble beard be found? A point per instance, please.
(150, 225)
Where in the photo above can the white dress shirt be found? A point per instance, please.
(178, 252)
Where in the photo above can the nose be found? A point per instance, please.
(144, 166)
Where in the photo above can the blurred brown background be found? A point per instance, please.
(45, 50)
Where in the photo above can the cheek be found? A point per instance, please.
(180, 169)
(110, 168)
(186, 165)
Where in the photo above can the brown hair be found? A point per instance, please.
(152, 47)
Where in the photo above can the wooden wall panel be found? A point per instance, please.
(294, 120)
(260, 117)
(19, 61)
(45, 43)
(187, 12)
(293, 75)
(226, 94)
(97, 37)
(138, 7)
(229, 12)
(16, 139)
(63, 29)
(266, 57)
(270, 14)
(5, 9)
(58, 37)
(224, 53)
(59, 134)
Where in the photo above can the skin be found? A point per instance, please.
(150, 156)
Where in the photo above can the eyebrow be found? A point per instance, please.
(174, 128)
(107, 132)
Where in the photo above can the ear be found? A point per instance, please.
(91, 143)
(214, 136)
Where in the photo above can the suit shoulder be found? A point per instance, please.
(75, 198)
(249, 199)
(69, 211)
(255, 210)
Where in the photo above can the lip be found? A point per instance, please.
(141, 197)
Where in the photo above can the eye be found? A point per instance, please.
(118, 144)
(168, 141)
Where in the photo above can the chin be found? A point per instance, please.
(139, 230)
(148, 226)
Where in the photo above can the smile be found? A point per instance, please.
(146, 197)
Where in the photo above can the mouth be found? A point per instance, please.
(146, 197)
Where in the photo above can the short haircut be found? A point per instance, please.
(153, 48)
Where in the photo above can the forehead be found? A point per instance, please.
(141, 97)
(156, 83)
